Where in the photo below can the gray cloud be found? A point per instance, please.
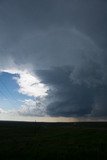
(65, 42)
(69, 98)
(76, 93)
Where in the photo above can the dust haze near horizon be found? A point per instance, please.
(53, 60)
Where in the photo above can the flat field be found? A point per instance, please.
(56, 141)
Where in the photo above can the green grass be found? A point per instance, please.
(39, 141)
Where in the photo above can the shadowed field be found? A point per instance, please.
(58, 141)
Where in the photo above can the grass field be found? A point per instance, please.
(57, 141)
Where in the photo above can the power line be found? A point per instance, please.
(8, 91)
(8, 94)
(5, 96)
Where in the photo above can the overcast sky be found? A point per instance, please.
(53, 60)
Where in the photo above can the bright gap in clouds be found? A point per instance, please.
(29, 84)
(9, 95)
(21, 93)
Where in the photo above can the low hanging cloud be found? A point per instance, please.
(32, 108)
(67, 98)
(58, 48)
(69, 89)
(75, 91)
(2, 111)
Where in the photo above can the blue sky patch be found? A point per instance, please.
(9, 95)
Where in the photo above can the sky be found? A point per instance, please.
(53, 60)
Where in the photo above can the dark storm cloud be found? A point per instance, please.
(65, 41)
(76, 92)
(21, 16)
(69, 97)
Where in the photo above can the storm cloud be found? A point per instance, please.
(74, 94)
(64, 43)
